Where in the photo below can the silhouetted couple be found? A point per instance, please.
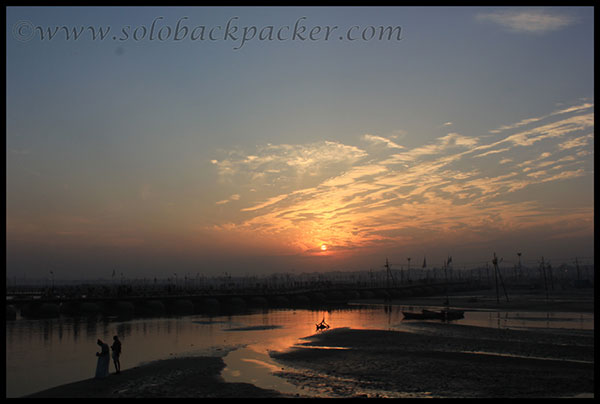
(104, 357)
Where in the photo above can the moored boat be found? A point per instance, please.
(445, 315)
(450, 314)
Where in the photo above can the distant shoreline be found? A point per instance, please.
(569, 300)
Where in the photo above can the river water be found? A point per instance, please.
(46, 353)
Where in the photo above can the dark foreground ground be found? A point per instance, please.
(429, 360)
(179, 377)
(444, 360)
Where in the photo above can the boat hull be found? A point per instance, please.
(444, 315)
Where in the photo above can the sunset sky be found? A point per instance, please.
(470, 135)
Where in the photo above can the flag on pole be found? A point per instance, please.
(449, 260)
(424, 262)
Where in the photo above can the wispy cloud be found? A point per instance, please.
(492, 152)
(285, 161)
(524, 122)
(382, 140)
(576, 142)
(372, 196)
(234, 197)
(441, 145)
(543, 131)
(535, 21)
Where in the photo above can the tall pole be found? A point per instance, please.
(498, 275)
(495, 262)
(390, 275)
(447, 303)
(408, 271)
(502, 281)
(545, 281)
(387, 271)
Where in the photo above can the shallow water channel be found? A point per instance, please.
(45, 353)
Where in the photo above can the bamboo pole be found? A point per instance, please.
(545, 281)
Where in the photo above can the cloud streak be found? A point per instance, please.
(382, 140)
(455, 186)
(233, 197)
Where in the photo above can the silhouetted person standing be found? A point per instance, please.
(116, 353)
(103, 360)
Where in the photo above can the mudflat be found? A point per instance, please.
(436, 359)
(443, 360)
(178, 377)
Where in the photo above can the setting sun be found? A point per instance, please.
(323, 247)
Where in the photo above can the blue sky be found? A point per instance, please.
(212, 156)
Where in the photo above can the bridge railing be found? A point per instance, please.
(47, 295)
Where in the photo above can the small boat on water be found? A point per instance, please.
(322, 325)
(444, 315)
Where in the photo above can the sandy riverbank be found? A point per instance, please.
(443, 360)
(450, 360)
(179, 377)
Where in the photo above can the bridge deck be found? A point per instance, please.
(43, 296)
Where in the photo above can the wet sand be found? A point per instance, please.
(435, 359)
(430, 360)
(443, 360)
(179, 377)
